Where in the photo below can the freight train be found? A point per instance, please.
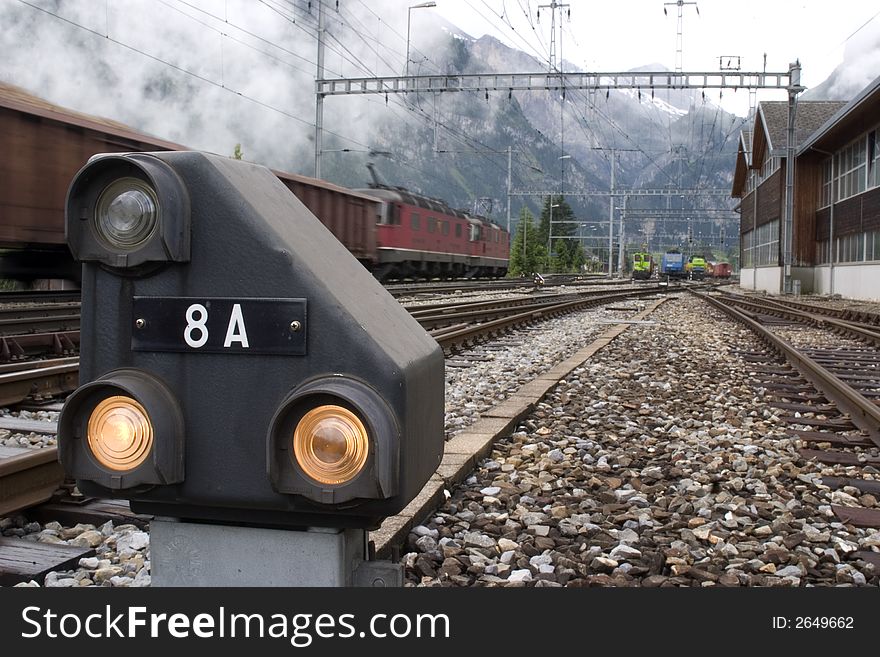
(718, 269)
(393, 232)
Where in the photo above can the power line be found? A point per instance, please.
(180, 69)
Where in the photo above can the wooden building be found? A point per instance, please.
(759, 181)
(837, 199)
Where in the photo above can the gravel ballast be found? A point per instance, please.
(657, 463)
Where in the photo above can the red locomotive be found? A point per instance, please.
(391, 231)
(422, 236)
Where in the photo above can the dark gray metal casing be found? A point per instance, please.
(252, 238)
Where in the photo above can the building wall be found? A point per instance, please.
(766, 279)
(769, 279)
(808, 179)
(747, 278)
(853, 281)
(770, 196)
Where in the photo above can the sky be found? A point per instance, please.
(215, 73)
(617, 35)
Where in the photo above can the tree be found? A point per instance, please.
(236, 154)
(529, 257)
(567, 254)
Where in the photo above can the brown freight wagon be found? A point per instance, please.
(44, 145)
(721, 270)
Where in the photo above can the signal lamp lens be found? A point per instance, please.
(120, 433)
(330, 444)
(126, 213)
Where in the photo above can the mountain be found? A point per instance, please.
(861, 62)
(661, 139)
(213, 82)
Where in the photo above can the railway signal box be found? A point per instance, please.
(238, 365)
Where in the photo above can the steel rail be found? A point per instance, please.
(40, 378)
(53, 321)
(858, 330)
(493, 311)
(451, 336)
(843, 314)
(28, 477)
(862, 412)
(38, 296)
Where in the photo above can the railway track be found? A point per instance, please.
(455, 336)
(411, 289)
(39, 296)
(444, 314)
(20, 380)
(833, 389)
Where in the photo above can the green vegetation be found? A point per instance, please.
(531, 256)
(566, 255)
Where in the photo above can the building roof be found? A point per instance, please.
(773, 116)
(770, 133)
(743, 162)
(847, 122)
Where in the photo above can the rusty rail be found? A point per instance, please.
(863, 413)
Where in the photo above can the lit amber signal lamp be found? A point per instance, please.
(120, 434)
(123, 430)
(334, 440)
(331, 445)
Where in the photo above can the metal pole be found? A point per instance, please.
(509, 167)
(611, 220)
(550, 235)
(831, 249)
(788, 228)
(408, 16)
(422, 5)
(319, 99)
(620, 262)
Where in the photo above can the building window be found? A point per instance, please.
(761, 246)
(769, 166)
(851, 248)
(872, 245)
(827, 182)
(850, 168)
(748, 260)
(873, 160)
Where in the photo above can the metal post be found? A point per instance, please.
(319, 99)
(611, 220)
(408, 18)
(831, 249)
(788, 228)
(423, 5)
(509, 168)
(620, 254)
(550, 236)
